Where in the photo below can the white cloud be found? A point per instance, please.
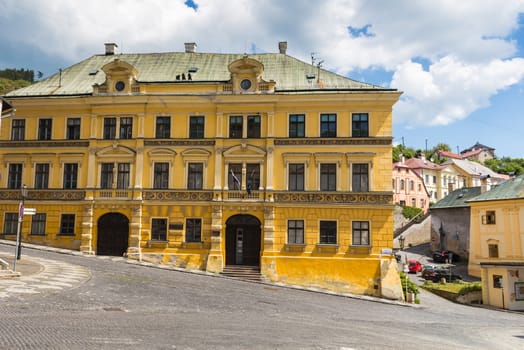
(450, 90)
(465, 43)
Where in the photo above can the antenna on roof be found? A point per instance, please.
(60, 77)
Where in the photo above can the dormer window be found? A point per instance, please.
(245, 84)
(120, 77)
(120, 86)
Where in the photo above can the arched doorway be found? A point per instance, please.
(243, 240)
(113, 233)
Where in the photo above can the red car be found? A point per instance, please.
(414, 266)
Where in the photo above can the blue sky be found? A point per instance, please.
(459, 63)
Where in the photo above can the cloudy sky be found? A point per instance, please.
(459, 64)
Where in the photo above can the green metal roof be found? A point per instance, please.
(289, 73)
(509, 189)
(457, 198)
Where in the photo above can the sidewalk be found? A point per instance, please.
(24, 267)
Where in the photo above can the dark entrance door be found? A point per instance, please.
(113, 232)
(243, 240)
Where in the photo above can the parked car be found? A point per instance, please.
(443, 256)
(428, 271)
(414, 266)
(436, 275)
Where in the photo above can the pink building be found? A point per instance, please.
(408, 187)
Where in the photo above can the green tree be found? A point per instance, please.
(506, 165)
(7, 85)
(401, 150)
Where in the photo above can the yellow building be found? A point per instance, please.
(203, 160)
(497, 244)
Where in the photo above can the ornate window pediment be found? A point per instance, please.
(116, 151)
(244, 151)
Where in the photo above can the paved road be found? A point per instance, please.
(128, 306)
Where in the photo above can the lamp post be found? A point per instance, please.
(18, 252)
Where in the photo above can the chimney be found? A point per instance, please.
(190, 47)
(110, 48)
(484, 185)
(282, 47)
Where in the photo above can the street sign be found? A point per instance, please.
(29, 211)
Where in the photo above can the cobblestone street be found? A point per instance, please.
(87, 302)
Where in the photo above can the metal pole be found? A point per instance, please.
(18, 251)
(17, 247)
(20, 221)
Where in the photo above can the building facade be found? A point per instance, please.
(409, 188)
(201, 160)
(450, 222)
(497, 244)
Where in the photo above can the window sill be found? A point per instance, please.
(66, 235)
(294, 247)
(193, 245)
(327, 248)
(157, 244)
(359, 249)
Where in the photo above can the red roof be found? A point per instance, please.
(449, 154)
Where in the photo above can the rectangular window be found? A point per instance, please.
(360, 179)
(296, 177)
(489, 218)
(493, 250)
(10, 223)
(360, 234)
(44, 129)
(70, 175)
(195, 174)
(194, 230)
(126, 127)
(297, 125)
(253, 126)
(196, 127)
(14, 178)
(236, 125)
(159, 229)
(41, 175)
(498, 281)
(122, 176)
(235, 176)
(161, 176)
(163, 127)
(328, 177)
(252, 177)
(328, 232)
(106, 175)
(73, 129)
(67, 224)
(38, 224)
(328, 125)
(18, 130)
(295, 231)
(359, 125)
(109, 128)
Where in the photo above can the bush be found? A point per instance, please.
(410, 212)
(412, 287)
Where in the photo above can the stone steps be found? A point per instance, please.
(244, 272)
